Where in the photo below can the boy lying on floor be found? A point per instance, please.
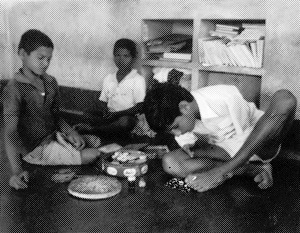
(219, 131)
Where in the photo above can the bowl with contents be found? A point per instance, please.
(125, 163)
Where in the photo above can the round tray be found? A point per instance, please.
(125, 169)
(95, 187)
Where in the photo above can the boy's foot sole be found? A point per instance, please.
(264, 178)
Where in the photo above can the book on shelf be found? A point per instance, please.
(202, 50)
(225, 31)
(168, 43)
(247, 54)
(260, 51)
(232, 58)
(240, 59)
(217, 51)
(180, 57)
(222, 34)
(227, 26)
(209, 48)
(174, 60)
(254, 25)
(250, 34)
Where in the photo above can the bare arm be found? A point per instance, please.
(14, 149)
(13, 143)
(72, 135)
(270, 128)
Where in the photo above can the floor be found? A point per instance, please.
(236, 206)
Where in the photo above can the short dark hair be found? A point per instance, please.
(128, 44)
(161, 104)
(33, 39)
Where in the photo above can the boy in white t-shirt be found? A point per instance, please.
(121, 97)
(219, 132)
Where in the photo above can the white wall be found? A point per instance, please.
(83, 33)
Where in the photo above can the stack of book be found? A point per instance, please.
(243, 50)
(167, 43)
(251, 32)
(176, 57)
(223, 30)
(172, 47)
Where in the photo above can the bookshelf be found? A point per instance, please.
(198, 29)
(166, 29)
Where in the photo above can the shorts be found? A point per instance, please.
(58, 152)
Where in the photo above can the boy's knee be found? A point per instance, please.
(170, 164)
(283, 104)
(287, 101)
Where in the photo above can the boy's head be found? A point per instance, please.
(35, 50)
(125, 53)
(33, 39)
(171, 108)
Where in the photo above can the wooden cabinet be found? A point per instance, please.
(247, 79)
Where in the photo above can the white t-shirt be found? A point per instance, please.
(124, 95)
(225, 114)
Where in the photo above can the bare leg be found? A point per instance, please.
(272, 127)
(120, 125)
(179, 164)
(269, 132)
(89, 155)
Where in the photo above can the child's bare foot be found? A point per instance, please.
(262, 174)
(264, 178)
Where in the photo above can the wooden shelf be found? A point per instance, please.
(232, 69)
(191, 65)
(158, 63)
(202, 75)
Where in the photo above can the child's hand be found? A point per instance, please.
(19, 181)
(187, 149)
(76, 140)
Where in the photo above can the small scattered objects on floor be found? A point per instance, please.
(178, 183)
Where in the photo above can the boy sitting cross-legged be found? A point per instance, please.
(219, 131)
(121, 98)
(33, 130)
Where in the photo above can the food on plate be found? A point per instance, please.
(128, 156)
(95, 187)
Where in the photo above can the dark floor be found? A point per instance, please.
(237, 206)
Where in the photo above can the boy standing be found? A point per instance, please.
(224, 131)
(31, 115)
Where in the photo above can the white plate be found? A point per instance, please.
(95, 187)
